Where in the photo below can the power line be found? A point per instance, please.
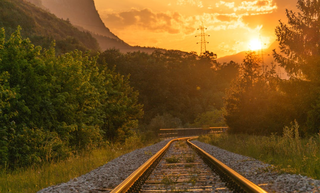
(203, 43)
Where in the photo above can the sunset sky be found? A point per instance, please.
(173, 24)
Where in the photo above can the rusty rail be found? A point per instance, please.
(239, 183)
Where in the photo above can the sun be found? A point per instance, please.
(255, 44)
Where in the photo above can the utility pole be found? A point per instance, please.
(203, 43)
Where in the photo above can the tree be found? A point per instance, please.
(249, 101)
(299, 41)
(300, 56)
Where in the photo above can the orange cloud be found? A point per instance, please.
(146, 19)
(256, 6)
(190, 2)
(248, 6)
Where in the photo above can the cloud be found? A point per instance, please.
(226, 18)
(197, 3)
(248, 6)
(269, 21)
(229, 5)
(146, 19)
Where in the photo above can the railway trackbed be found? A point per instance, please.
(181, 166)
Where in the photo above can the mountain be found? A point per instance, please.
(84, 15)
(267, 59)
(80, 13)
(42, 27)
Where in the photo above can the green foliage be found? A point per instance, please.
(214, 118)
(172, 82)
(7, 95)
(172, 159)
(54, 106)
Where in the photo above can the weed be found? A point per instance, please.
(170, 179)
(193, 179)
(190, 159)
(188, 165)
(149, 153)
(172, 159)
(167, 181)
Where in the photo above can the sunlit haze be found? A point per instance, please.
(255, 44)
(172, 24)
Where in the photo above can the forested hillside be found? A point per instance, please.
(42, 28)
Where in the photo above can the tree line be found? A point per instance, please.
(54, 105)
(177, 89)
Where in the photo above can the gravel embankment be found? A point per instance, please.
(114, 172)
(261, 173)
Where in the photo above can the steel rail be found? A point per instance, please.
(243, 183)
(129, 181)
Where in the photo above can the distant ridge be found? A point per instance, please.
(84, 15)
(42, 27)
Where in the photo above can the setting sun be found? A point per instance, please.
(255, 44)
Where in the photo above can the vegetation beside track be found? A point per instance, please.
(35, 178)
(288, 153)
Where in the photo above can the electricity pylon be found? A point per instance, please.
(203, 43)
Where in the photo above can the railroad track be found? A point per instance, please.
(181, 166)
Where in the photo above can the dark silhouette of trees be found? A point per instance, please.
(299, 54)
(175, 83)
(249, 100)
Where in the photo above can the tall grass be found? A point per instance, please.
(38, 177)
(289, 153)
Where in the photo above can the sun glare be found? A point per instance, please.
(255, 44)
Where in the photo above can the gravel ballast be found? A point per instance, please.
(261, 173)
(108, 176)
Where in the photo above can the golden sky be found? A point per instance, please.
(173, 24)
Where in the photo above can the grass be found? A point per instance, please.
(36, 178)
(172, 159)
(288, 153)
(190, 159)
